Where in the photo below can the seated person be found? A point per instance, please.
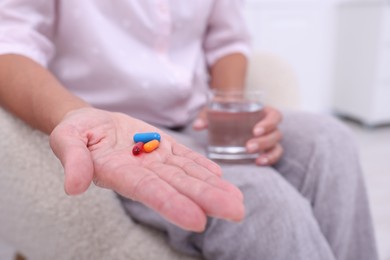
(91, 74)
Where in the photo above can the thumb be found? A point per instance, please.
(75, 157)
(200, 122)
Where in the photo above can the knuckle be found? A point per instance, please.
(279, 135)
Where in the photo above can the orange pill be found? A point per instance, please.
(151, 146)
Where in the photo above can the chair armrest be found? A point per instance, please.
(41, 221)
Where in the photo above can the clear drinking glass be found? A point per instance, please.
(231, 117)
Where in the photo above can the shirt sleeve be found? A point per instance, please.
(26, 28)
(227, 31)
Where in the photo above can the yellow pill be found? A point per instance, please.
(151, 146)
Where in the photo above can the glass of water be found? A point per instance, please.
(231, 117)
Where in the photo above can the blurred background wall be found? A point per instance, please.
(339, 49)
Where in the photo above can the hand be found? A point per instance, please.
(266, 139)
(183, 186)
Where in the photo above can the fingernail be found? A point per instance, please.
(259, 131)
(263, 161)
(251, 147)
(199, 123)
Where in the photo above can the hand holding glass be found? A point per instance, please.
(231, 117)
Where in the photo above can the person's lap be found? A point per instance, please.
(290, 214)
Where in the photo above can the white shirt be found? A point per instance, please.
(146, 58)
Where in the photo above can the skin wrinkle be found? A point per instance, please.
(180, 153)
(180, 181)
(100, 141)
(182, 163)
(188, 169)
(199, 159)
(174, 178)
(93, 141)
(146, 178)
(216, 169)
(156, 166)
(206, 178)
(100, 167)
(163, 204)
(168, 176)
(221, 185)
(177, 178)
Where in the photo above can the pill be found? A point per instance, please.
(138, 148)
(146, 137)
(151, 146)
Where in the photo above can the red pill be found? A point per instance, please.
(138, 148)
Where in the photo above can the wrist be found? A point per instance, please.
(64, 111)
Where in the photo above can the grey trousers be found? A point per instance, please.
(311, 205)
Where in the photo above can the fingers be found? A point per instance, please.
(182, 151)
(267, 138)
(268, 146)
(214, 200)
(75, 157)
(143, 185)
(193, 185)
(271, 156)
(264, 143)
(200, 122)
(196, 171)
(269, 123)
(167, 189)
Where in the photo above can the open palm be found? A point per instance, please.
(183, 186)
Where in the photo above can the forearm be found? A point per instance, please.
(229, 72)
(32, 93)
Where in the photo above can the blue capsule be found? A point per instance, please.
(146, 137)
